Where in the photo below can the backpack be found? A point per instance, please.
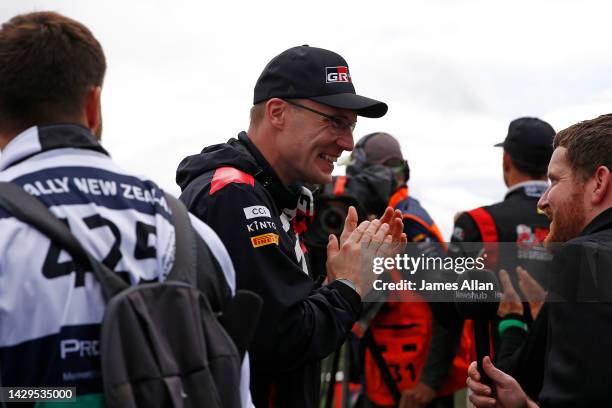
(161, 344)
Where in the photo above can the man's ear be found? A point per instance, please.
(276, 111)
(93, 110)
(507, 162)
(601, 188)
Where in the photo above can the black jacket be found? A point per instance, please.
(516, 219)
(522, 354)
(579, 357)
(233, 189)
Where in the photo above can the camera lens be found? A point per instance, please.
(332, 219)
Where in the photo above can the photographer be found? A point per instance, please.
(400, 332)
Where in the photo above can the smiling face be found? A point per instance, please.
(311, 143)
(564, 201)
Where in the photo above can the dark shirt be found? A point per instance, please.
(515, 219)
(517, 224)
(579, 358)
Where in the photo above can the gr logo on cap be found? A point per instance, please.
(316, 74)
(337, 74)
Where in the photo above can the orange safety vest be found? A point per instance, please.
(402, 331)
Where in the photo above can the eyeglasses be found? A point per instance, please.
(338, 124)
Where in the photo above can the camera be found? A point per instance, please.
(368, 191)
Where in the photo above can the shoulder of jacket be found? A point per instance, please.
(480, 215)
(224, 176)
(411, 207)
(216, 180)
(468, 221)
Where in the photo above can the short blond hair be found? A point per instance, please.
(257, 112)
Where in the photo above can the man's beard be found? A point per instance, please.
(568, 219)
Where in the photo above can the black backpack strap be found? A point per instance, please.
(186, 252)
(193, 263)
(368, 341)
(238, 315)
(33, 212)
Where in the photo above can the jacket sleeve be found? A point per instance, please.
(444, 345)
(443, 337)
(466, 239)
(299, 322)
(523, 354)
(422, 239)
(447, 325)
(510, 345)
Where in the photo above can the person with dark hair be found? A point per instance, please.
(252, 192)
(51, 308)
(513, 222)
(579, 336)
(52, 69)
(527, 151)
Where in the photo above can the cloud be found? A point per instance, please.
(454, 74)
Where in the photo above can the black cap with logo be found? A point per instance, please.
(529, 140)
(316, 74)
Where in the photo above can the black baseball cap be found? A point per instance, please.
(316, 74)
(529, 140)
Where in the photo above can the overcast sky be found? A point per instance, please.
(454, 74)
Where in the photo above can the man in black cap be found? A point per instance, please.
(516, 219)
(515, 222)
(251, 191)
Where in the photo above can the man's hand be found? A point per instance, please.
(532, 290)
(395, 241)
(511, 301)
(344, 257)
(506, 392)
(417, 397)
(394, 219)
(350, 223)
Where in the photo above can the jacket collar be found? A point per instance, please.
(400, 194)
(295, 201)
(42, 138)
(601, 222)
(531, 188)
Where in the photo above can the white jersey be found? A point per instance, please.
(50, 309)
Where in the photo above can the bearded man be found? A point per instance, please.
(579, 350)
